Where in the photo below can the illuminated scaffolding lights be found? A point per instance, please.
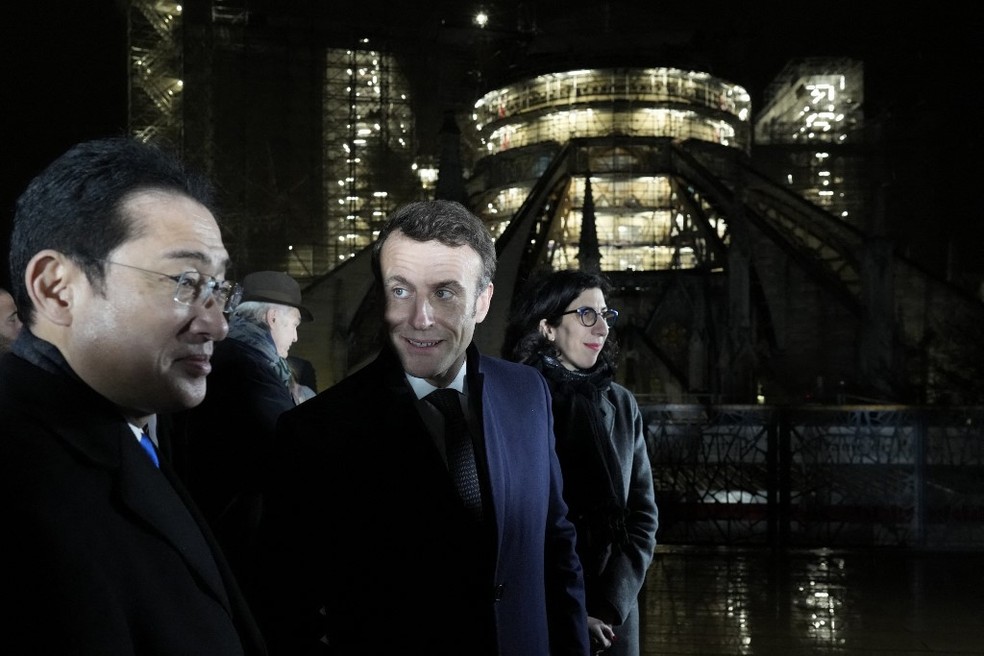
(155, 56)
(818, 101)
(366, 114)
(652, 102)
(813, 99)
(640, 226)
(565, 125)
(641, 223)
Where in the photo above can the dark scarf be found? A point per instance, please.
(257, 335)
(590, 467)
(42, 354)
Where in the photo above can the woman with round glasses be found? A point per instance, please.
(561, 325)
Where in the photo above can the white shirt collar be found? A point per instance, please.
(422, 388)
(151, 430)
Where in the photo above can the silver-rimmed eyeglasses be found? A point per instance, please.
(589, 316)
(195, 287)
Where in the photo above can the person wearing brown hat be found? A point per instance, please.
(276, 288)
(228, 436)
(272, 299)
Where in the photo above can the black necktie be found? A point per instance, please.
(458, 444)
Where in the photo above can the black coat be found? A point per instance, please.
(102, 553)
(364, 521)
(223, 445)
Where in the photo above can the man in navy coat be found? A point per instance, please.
(369, 546)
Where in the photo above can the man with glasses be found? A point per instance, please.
(118, 270)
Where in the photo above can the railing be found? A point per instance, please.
(870, 475)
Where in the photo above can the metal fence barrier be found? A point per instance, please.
(818, 476)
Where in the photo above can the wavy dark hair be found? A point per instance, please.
(546, 297)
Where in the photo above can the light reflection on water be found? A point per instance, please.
(762, 602)
(822, 596)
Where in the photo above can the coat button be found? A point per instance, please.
(499, 590)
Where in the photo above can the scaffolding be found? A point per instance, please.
(368, 149)
(154, 44)
(665, 102)
(810, 131)
(644, 221)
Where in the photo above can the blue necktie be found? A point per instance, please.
(458, 445)
(147, 445)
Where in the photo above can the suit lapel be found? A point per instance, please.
(89, 426)
(149, 495)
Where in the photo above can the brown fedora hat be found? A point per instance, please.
(274, 287)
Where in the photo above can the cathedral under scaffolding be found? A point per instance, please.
(746, 252)
(644, 174)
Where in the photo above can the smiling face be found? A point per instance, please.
(579, 346)
(431, 304)
(130, 340)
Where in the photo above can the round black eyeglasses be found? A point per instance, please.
(589, 316)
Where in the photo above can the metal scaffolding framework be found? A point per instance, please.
(745, 259)
(155, 49)
(811, 129)
(645, 221)
(368, 147)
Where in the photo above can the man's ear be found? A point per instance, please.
(52, 278)
(271, 316)
(482, 304)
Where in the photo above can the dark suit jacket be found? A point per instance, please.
(364, 520)
(102, 553)
(223, 446)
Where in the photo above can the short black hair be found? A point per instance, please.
(75, 205)
(448, 222)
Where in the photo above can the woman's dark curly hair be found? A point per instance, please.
(547, 297)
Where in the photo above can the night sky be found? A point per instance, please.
(64, 72)
(65, 81)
